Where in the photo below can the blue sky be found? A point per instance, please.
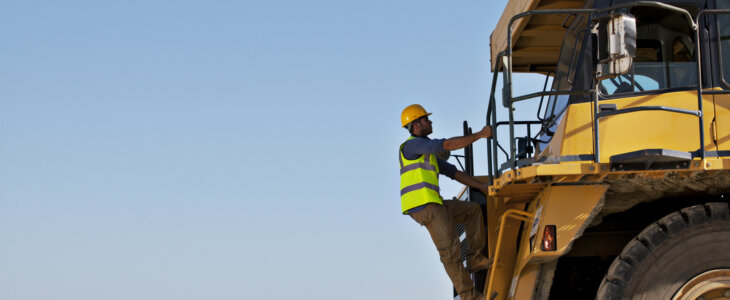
(226, 149)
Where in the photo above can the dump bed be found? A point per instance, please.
(536, 40)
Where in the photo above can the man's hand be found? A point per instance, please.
(456, 143)
(486, 132)
(470, 181)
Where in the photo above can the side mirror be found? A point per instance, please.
(614, 40)
(507, 82)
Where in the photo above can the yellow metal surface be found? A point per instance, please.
(499, 279)
(617, 135)
(504, 264)
(588, 172)
(569, 208)
(722, 129)
(634, 131)
(621, 134)
(522, 185)
(525, 282)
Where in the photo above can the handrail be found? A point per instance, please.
(508, 53)
(492, 145)
(551, 93)
(468, 152)
(716, 92)
(645, 108)
(497, 124)
(653, 3)
(519, 123)
(510, 213)
(698, 113)
(698, 61)
(700, 105)
(492, 117)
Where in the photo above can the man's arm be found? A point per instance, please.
(418, 146)
(470, 181)
(459, 142)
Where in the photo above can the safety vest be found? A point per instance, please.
(419, 181)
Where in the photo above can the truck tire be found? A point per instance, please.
(685, 255)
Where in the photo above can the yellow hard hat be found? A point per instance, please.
(411, 113)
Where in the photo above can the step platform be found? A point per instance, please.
(651, 159)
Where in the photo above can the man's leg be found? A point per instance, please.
(470, 214)
(442, 228)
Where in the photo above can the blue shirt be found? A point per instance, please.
(418, 146)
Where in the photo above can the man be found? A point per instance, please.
(420, 198)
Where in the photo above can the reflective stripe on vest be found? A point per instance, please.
(419, 180)
(422, 185)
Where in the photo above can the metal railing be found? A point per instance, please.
(491, 118)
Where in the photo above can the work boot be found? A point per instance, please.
(471, 294)
(478, 263)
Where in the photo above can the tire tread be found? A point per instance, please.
(718, 211)
(637, 250)
(653, 235)
(696, 215)
(673, 223)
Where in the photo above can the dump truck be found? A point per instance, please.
(612, 181)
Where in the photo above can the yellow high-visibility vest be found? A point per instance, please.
(419, 181)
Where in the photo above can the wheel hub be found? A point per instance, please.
(711, 285)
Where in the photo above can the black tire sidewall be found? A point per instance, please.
(695, 250)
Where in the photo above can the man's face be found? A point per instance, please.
(424, 125)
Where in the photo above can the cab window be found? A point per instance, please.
(568, 74)
(664, 55)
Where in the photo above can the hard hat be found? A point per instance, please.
(411, 113)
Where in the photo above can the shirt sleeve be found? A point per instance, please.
(419, 146)
(446, 168)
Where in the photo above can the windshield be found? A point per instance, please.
(568, 76)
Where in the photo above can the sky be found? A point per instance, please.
(227, 149)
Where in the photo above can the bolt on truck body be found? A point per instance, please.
(616, 189)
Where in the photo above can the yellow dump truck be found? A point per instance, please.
(617, 185)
